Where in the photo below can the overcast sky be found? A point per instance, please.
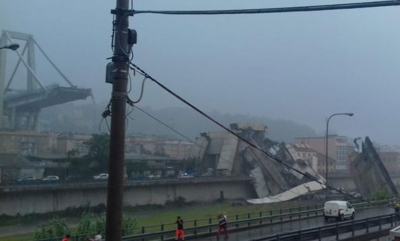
(295, 66)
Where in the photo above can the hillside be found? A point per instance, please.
(87, 118)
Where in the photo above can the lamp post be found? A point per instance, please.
(11, 46)
(326, 150)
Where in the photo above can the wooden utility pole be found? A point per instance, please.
(118, 115)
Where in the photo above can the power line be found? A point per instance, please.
(176, 131)
(325, 7)
(166, 125)
(145, 74)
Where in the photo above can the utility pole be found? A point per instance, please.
(118, 111)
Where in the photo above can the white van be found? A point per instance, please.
(339, 210)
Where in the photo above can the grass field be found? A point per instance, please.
(154, 217)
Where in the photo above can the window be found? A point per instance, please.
(348, 205)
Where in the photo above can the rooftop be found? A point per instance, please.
(14, 160)
(300, 147)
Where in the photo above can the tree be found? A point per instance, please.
(72, 153)
(99, 150)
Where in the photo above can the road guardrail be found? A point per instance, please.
(207, 227)
(334, 230)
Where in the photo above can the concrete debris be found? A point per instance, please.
(259, 182)
(368, 164)
(229, 156)
(228, 153)
(199, 149)
(303, 189)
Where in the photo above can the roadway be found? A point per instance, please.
(294, 225)
(59, 185)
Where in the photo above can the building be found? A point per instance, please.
(303, 152)
(30, 143)
(321, 168)
(27, 142)
(67, 142)
(161, 146)
(140, 144)
(391, 161)
(315, 159)
(338, 149)
(14, 166)
(175, 149)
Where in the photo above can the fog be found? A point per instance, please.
(294, 66)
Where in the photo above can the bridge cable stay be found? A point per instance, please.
(144, 73)
(312, 8)
(53, 64)
(26, 64)
(16, 67)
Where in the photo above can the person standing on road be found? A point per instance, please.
(66, 237)
(179, 229)
(222, 225)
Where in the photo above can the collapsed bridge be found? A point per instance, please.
(227, 155)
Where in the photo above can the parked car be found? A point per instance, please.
(101, 176)
(27, 179)
(51, 178)
(339, 210)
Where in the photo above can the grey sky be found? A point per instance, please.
(296, 66)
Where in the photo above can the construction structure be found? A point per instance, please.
(20, 108)
(229, 156)
(367, 163)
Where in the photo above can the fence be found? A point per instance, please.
(237, 222)
(334, 230)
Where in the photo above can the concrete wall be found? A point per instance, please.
(42, 201)
(348, 182)
(342, 182)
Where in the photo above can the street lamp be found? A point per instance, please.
(12, 46)
(326, 150)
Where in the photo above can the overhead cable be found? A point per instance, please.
(325, 7)
(233, 133)
(174, 130)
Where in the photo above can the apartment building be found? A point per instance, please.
(67, 142)
(338, 149)
(161, 146)
(27, 142)
(391, 161)
(315, 159)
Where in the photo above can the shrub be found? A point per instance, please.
(89, 225)
(57, 227)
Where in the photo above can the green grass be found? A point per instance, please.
(19, 237)
(157, 215)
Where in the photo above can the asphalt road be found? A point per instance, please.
(295, 225)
